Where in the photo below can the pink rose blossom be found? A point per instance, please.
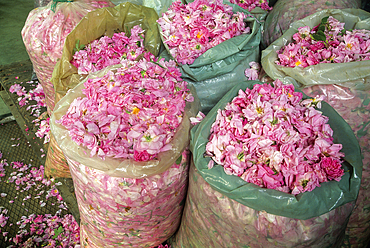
(332, 168)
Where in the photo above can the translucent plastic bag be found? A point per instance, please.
(99, 23)
(210, 91)
(44, 34)
(94, 25)
(224, 57)
(159, 6)
(56, 164)
(211, 219)
(337, 73)
(285, 12)
(346, 88)
(116, 167)
(353, 105)
(247, 215)
(123, 202)
(216, 71)
(41, 3)
(127, 212)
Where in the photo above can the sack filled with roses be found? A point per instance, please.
(285, 12)
(339, 41)
(213, 42)
(102, 36)
(270, 169)
(45, 32)
(126, 144)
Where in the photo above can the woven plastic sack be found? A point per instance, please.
(94, 25)
(249, 216)
(123, 202)
(347, 89)
(216, 71)
(285, 12)
(44, 34)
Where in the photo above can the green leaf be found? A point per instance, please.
(128, 31)
(240, 156)
(77, 44)
(324, 20)
(78, 47)
(178, 161)
(319, 36)
(274, 121)
(321, 28)
(57, 232)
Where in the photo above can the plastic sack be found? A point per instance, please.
(116, 167)
(211, 219)
(55, 164)
(285, 12)
(336, 73)
(103, 22)
(257, 12)
(210, 91)
(160, 6)
(123, 212)
(347, 89)
(94, 25)
(306, 208)
(353, 105)
(224, 57)
(44, 34)
(41, 3)
(123, 202)
(216, 71)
